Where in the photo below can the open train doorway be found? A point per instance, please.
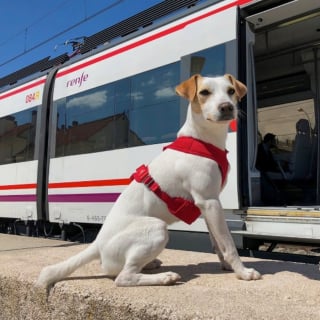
(283, 72)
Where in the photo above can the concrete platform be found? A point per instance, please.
(287, 291)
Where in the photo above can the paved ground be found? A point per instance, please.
(287, 291)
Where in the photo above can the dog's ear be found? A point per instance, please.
(241, 89)
(188, 89)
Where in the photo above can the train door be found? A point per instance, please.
(282, 116)
(20, 151)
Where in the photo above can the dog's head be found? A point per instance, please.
(216, 98)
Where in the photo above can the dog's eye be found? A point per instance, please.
(231, 91)
(205, 92)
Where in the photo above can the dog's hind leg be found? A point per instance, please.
(130, 276)
(54, 273)
(155, 264)
(135, 247)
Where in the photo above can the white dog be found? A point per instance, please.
(183, 182)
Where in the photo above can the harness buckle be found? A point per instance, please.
(142, 175)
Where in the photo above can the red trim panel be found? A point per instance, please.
(18, 186)
(91, 183)
(21, 89)
(71, 184)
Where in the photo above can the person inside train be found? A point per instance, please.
(268, 166)
(265, 160)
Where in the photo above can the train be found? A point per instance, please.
(73, 128)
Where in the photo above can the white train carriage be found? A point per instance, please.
(113, 118)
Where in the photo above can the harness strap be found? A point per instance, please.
(183, 209)
(202, 149)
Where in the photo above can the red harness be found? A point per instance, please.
(182, 208)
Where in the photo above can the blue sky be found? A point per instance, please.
(35, 29)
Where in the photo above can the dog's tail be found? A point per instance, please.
(52, 274)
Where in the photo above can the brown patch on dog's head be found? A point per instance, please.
(188, 89)
(239, 87)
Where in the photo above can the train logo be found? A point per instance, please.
(78, 80)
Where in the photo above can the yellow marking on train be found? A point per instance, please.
(284, 212)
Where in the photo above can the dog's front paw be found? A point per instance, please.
(249, 274)
(170, 277)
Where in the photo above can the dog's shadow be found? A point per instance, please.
(271, 267)
(193, 271)
(266, 267)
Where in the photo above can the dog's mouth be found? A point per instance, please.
(221, 119)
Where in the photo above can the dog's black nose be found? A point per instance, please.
(226, 111)
(226, 108)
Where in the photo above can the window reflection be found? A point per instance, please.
(209, 62)
(139, 110)
(17, 136)
(155, 116)
(85, 122)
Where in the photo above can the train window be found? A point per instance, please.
(155, 114)
(85, 122)
(138, 110)
(209, 62)
(17, 136)
(122, 106)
